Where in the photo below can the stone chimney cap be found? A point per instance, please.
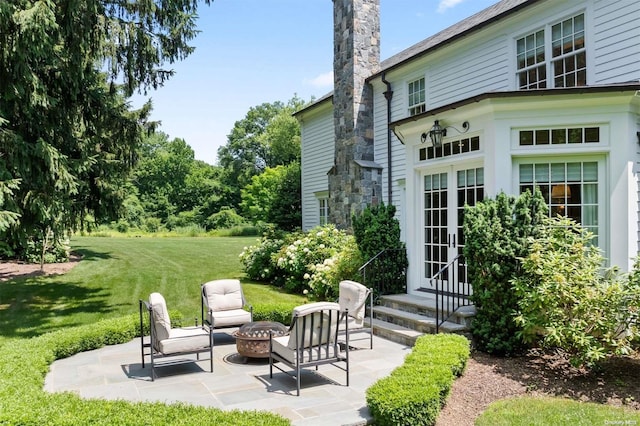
(368, 164)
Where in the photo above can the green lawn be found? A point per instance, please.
(116, 272)
(524, 411)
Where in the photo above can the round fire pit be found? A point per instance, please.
(252, 339)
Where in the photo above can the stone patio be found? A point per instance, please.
(115, 372)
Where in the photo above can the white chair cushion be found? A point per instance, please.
(280, 346)
(223, 295)
(162, 322)
(324, 327)
(229, 318)
(352, 297)
(353, 323)
(187, 339)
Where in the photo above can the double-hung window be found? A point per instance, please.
(323, 205)
(554, 56)
(417, 97)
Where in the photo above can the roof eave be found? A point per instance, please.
(622, 87)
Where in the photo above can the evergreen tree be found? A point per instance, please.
(68, 138)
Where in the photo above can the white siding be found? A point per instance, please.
(481, 67)
(317, 158)
(398, 156)
(616, 36)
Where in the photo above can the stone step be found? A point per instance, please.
(426, 306)
(420, 323)
(395, 333)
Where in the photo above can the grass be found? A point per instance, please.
(116, 272)
(554, 411)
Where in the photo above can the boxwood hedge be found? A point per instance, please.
(25, 362)
(415, 392)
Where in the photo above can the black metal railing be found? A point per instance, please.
(386, 272)
(451, 289)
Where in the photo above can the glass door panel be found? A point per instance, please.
(445, 196)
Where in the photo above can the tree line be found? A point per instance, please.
(257, 178)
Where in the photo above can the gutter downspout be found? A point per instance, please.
(388, 95)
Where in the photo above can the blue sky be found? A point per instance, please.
(255, 51)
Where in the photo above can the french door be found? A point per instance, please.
(446, 191)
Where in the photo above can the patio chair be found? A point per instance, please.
(223, 304)
(353, 297)
(312, 341)
(168, 342)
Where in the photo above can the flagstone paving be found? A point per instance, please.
(115, 372)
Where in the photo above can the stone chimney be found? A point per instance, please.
(354, 180)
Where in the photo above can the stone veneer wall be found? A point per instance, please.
(356, 26)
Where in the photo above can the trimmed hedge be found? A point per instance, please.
(415, 392)
(280, 312)
(25, 362)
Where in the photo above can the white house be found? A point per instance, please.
(525, 93)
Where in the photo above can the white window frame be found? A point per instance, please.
(323, 208)
(542, 43)
(603, 239)
(419, 105)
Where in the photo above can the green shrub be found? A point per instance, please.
(377, 229)
(257, 259)
(225, 218)
(280, 312)
(324, 281)
(496, 234)
(311, 263)
(122, 226)
(57, 250)
(565, 300)
(296, 260)
(152, 224)
(415, 392)
(25, 362)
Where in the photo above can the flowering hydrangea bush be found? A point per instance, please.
(325, 277)
(297, 259)
(256, 259)
(310, 263)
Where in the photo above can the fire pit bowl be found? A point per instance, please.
(252, 339)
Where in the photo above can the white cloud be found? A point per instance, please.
(448, 4)
(323, 80)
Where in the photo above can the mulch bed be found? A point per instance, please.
(488, 379)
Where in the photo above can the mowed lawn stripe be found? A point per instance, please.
(116, 272)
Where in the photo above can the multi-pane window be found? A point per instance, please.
(577, 135)
(569, 61)
(569, 189)
(532, 69)
(562, 57)
(323, 204)
(417, 98)
(436, 228)
(448, 149)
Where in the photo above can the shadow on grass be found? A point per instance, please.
(33, 306)
(92, 254)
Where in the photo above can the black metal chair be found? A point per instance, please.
(312, 341)
(167, 342)
(354, 298)
(223, 304)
